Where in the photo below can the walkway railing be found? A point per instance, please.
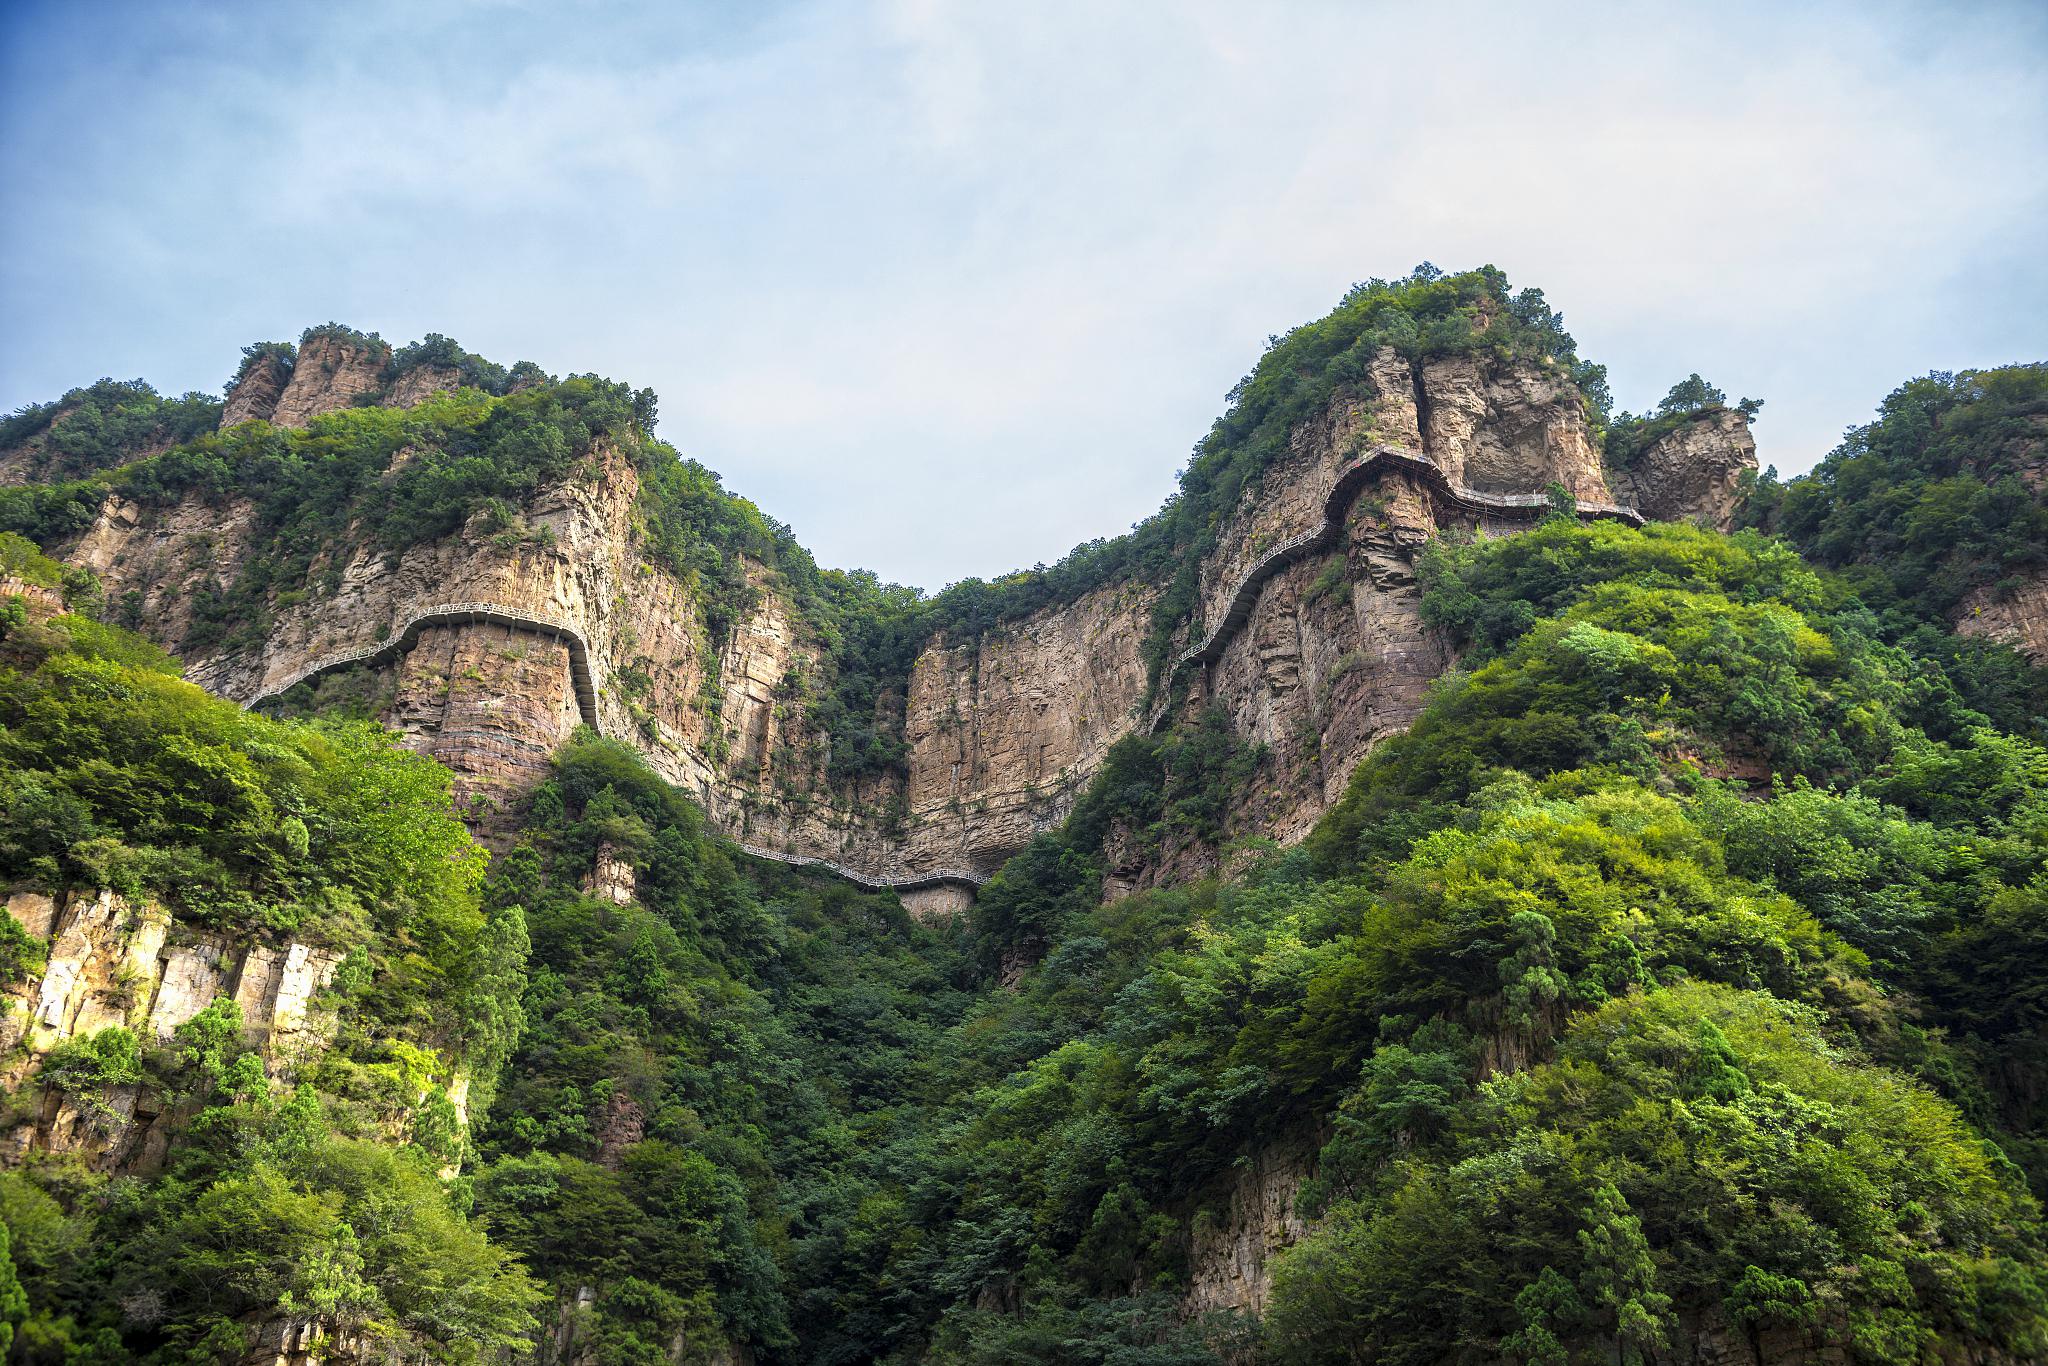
(902, 882)
(457, 614)
(584, 683)
(1244, 594)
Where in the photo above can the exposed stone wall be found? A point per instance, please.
(2016, 615)
(611, 877)
(1005, 733)
(493, 703)
(257, 391)
(166, 557)
(329, 374)
(113, 961)
(937, 903)
(1508, 426)
(1693, 472)
(1334, 658)
(421, 383)
(42, 600)
(1233, 1245)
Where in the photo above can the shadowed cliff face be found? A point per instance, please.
(1694, 472)
(2015, 612)
(1001, 732)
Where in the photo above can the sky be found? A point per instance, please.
(950, 288)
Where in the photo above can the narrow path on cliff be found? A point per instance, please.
(403, 639)
(1345, 488)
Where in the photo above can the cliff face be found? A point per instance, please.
(113, 961)
(257, 390)
(329, 374)
(1508, 426)
(1693, 472)
(1232, 1251)
(489, 646)
(2014, 614)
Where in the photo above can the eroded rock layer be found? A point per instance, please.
(1694, 472)
(114, 961)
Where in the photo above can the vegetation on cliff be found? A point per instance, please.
(1601, 1047)
(394, 478)
(321, 1201)
(1678, 972)
(1692, 399)
(1944, 495)
(100, 426)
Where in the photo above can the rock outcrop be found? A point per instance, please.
(1694, 472)
(421, 383)
(332, 370)
(1508, 426)
(112, 961)
(611, 877)
(257, 390)
(1232, 1248)
(2014, 614)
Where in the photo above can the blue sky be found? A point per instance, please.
(950, 288)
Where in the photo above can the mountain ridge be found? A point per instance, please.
(994, 729)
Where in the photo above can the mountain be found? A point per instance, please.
(486, 574)
(1437, 891)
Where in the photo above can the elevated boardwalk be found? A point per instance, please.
(407, 635)
(584, 683)
(1343, 489)
(901, 882)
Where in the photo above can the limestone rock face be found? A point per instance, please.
(1693, 472)
(1334, 658)
(114, 961)
(611, 877)
(2017, 615)
(257, 391)
(165, 557)
(310, 1342)
(1230, 1258)
(488, 647)
(1005, 733)
(491, 703)
(330, 372)
(1508, 426)
(937, 903)
(422, 383)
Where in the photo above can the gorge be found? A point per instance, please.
(1479, 876)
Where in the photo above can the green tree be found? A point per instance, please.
(1690, 395)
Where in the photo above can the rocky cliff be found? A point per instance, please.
(113, 961)
(1693, 472)
(488, 646)
(1234, 1246)
(332, 368)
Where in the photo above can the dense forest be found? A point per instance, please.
(1683, 965)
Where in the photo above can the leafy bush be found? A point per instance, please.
(1938, 498)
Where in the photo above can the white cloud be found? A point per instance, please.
(951, 287)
